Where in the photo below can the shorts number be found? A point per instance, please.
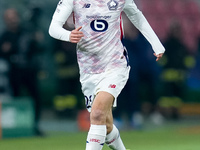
(88, 101)
(99, 25)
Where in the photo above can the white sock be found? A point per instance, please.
(113, 140)
(96, 137)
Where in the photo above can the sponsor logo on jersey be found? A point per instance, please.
(112, 86)
(97, 17)
(112, 5)
(99, 25)
(86, 5)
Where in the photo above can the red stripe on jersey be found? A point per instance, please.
(73, 17)
(121, 28)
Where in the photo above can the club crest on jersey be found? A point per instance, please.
(112, 5)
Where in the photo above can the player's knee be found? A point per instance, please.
(98, 116)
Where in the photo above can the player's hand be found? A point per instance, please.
(158, 56)
(76, 35)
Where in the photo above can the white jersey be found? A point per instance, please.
(101, 47)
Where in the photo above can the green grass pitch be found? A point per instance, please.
(161, 139)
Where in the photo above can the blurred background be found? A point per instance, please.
(40, 91)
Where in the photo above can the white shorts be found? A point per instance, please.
(111, 81)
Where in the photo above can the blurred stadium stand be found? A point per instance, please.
(16, 117)
(160, 14)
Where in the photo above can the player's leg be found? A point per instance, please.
(113, 139)
(109, 121)
(97, 132)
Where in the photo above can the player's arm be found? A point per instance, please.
(140, 22)
(56, 30)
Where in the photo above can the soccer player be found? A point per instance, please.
(102, 59)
